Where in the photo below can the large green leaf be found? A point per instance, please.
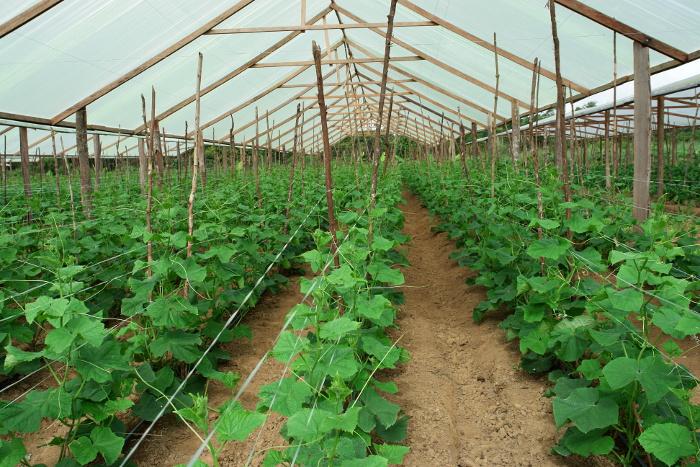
(181, 344)
(586, 409)
(549, 248)
(236, 423)
(668, 442)
(107, 443)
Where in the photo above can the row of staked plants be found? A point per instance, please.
(334, 346)
(603, 306)
(109, 337)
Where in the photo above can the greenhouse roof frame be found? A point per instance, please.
(440, 63)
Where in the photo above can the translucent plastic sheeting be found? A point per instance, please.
(79, 46)
(12, 8)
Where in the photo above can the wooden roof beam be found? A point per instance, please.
(624, 29)
(429, 58)
(36, 10)
(486, 44)
(318, 27)
(341, 61)
(163, 54)
(229, 76)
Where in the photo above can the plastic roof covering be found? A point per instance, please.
(79, 46)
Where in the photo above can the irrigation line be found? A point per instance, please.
(216, 338)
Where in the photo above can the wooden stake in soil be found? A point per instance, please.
(232, 143)
(560, 136)
(660, 137)
(494, 140)
(608, 182)
(195, 167)
(97, 144)
(143, 169)
(149, 187)
(332, 226)
(378, 131)
(70, 185)
(256, 173)
(57, 175)
(290, 190)
(24, 154)
(84, 161)
(642, 132)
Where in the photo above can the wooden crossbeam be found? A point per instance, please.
(229, 76)
(163, 54)
(391, 81)
(319, 27)
(396, 93)
(624, 29)
(26, 16)
(341, 61)
(429, 58)
(486, 44)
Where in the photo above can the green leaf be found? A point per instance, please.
(380, 272)
(11, 452)
(107, 443)
(286, 396)
(343, 277)
(15, 356)
(171, 312)
(380, 243)
(547, 224)
(190, 270)
(98, 363)
(586, 409)
(306, 425)
(669, 442)
(58, 341)
(630, 300)
(593, 443)
(83, 450)
(385, 411)
(370, 461)
(181, 344)
(549, 248)
(393, 453)
(237, 423)
(656, 377)
(337, 328)
(288, 344)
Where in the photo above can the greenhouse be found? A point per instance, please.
(349, 233)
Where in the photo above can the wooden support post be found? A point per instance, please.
(232, 144)
(149, 185)
(24, 154)
(57, 175)
(660, 137)
(84, 161)
(642, 132)
(492, 130)
(332, 226)
(97, 144)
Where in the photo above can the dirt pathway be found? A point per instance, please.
(469, 404)
(172, 443)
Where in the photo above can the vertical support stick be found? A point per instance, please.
(608, 181)
(97, 144)
(57, 175)
(290, 190)
(642, 132)
(492, 129)
(142, 164)
(515, 128)
(660, 137)
(24, 153)
(256, 147)
(199, 146)
(378, 131)
(84, 161)
(332, 226)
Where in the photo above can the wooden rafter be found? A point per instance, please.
(26, 16)
(624, 29)
(318, 27)
(486, 44)
(429, 58)
(189, 38)
(229, 76)
(341, 61)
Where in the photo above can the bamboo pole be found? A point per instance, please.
(24, 153)
(70, 185)
(149, 186)
(660, 137)
(57, 175)
(97, 144)
(290, 190)
(494, 141)
(256, 172)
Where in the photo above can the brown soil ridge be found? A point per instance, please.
(469, 403)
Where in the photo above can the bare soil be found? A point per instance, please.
(469, 403)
